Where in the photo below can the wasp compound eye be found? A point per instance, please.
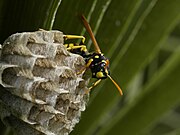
(103, 64)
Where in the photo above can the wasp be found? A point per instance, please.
(96, 61)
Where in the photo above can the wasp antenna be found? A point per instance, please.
(89, 30)
(117, 86)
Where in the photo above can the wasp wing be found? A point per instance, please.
(88, 28)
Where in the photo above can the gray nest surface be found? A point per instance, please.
(40, 90)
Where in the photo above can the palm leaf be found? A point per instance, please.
(133, 34)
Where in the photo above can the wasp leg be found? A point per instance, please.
(83, 48)
(94, 84)
(84, 68)
(87, 66)
(81, 70)
(66, 37)
(72, 47)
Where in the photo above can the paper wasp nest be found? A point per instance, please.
(40, 91)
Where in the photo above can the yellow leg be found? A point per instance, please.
(72, 46)
(81, 70)
(94, 84)
(84, 68)
(74, 37)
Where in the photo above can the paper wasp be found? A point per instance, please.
(96, 61)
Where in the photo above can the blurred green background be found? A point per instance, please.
(140, 37)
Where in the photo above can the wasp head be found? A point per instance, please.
(99, 66)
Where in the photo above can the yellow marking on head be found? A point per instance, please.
(99, 74)
(96, 56)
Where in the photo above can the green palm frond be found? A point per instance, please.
(141, 38)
